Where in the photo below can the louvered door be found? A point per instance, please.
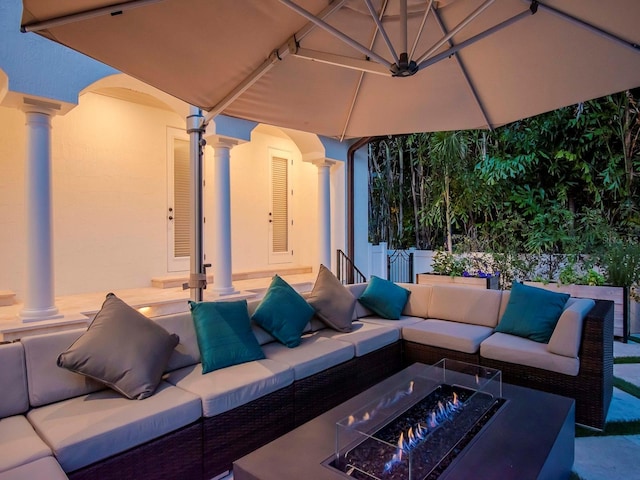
(280, 214)
(179, 207)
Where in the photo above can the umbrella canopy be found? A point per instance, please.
(354, 68)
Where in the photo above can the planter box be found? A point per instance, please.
(619, 296)
(491, 283)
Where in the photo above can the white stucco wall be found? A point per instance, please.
(250, 203)
(12, 219)
(338, 210)
(109, 177)
(109, 194)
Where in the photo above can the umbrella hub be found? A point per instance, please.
(404, 67)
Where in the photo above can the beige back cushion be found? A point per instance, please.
(475, 306)
(47, 382)
(567, 335)
(356, 290)
(13, 380)
(418, 303)
(186, 352)
(506, 295)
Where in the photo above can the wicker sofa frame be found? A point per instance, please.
(592, 388)
(208, 447)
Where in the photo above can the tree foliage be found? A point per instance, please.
(562, 182)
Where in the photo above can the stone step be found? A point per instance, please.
(7, 297)
(172, 281)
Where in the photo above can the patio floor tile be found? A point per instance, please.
(607, 458)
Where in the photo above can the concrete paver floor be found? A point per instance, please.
(616, 456)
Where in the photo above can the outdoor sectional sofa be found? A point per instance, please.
(56, 423)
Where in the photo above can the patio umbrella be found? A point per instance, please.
(356, 68)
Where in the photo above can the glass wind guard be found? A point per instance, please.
(406, 433)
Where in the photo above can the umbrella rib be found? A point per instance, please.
(361, 77)
(382, 31)
(337, 33)
(403, 25)
(581, 23)
(472, 16)
(470, 41)
(421, 29)
(470, 84)
(116, 9)
(275, 56)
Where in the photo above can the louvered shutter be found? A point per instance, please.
(280, 204)
(182, 207)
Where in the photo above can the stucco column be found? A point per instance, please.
(221, 261)
(39, 302)
(324, 211)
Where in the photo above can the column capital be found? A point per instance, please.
(318, 159)
(35, 104)
(217, 140)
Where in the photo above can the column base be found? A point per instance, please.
(38, 315)
(223, 291)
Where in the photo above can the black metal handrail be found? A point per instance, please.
(348, 273)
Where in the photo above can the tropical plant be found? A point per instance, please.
(559, 183)
(621, 261)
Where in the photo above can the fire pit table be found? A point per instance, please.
(446, 421)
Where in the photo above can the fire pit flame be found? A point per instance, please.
(416, 434)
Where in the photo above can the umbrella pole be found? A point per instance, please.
(198, 278)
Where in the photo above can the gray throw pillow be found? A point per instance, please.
(122, 349)
(332, 302)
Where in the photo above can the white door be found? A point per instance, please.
(280, 221)
(179, 207)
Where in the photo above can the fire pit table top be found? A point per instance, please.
(530, 437)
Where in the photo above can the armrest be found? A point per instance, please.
(596, 349)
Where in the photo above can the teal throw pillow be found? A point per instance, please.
(532, 312)
(283, 313)
(224, 334)
(384, 298)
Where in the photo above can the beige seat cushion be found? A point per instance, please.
(460, 337)
(44, 468)
(13, 380)
(89, 428)
(314, 354)
(230, 387)
(476, 306)
(397, 324)
(365, 337)
(19, 443)
(518, 350)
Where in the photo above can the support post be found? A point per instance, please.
(197, 279)
(324, 211)
(222, 265)
(39, 302)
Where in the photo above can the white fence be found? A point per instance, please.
(422, 260)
